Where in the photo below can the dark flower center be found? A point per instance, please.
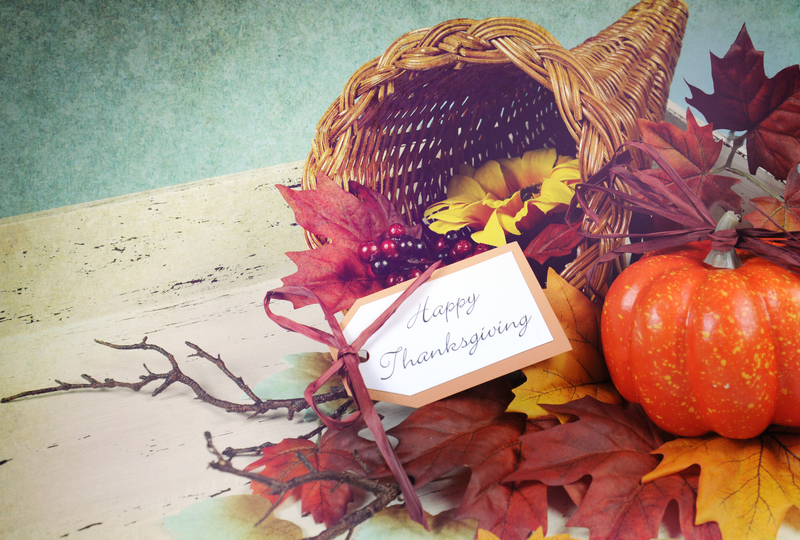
(530, 192)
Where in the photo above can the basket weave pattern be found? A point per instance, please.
(466, 91)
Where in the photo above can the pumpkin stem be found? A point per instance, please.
(724, 259)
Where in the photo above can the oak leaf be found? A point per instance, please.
(573, 374)
(325, 500)
(693, 154)
(744, 99)
(778, 215)
(334, 271)
(746, 485)
(613, 446)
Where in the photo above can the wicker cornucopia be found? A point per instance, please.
(466, 91)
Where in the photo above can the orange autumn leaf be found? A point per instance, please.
(746, 485)
(775, 214)
(574, 374)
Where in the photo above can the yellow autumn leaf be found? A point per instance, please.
(536, 535)
(575, 374)
(746, 485)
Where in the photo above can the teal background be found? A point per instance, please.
(99, 99)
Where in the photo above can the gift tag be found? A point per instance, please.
(472, 322)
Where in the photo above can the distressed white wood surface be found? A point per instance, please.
(190, 263)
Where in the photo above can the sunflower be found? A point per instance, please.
(505, 195)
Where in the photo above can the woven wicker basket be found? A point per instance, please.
(466, 91)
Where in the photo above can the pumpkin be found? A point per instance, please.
(706, 349)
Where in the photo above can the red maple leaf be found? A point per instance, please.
(744, 99)
(509, 510)
(334, 272)
(693, 154)
(469, 430)
(326, 501)
(613, 446)
(776, 215)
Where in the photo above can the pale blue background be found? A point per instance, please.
(99, 99)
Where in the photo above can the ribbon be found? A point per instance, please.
(651, 195)
(347, 360)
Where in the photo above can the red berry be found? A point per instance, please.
(394, 279)
(441, 244)
(366, 250)
(396, 230)
(462, 248)
(389, 246)
(414, 273)
(481, 248)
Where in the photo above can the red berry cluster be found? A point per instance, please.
(400, 257)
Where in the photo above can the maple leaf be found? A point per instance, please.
(746, 485)
(326, 500)
(468, 430)
(775, 215)
(744, 99)
(613, 445)
(508, 510)
(555, 240)
(334, 272)
(573, 374)
(538, 534)
(693, 154)
(394, 523)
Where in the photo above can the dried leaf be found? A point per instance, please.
(576, 373)
(746, 485)
(231, 518)
(775, 215)
(509, 510)
(394, 523)
(613, 446)
(334, 272)
(744, 99)
(326, 501)
(469, 430)
(555, 240)
(693, 154)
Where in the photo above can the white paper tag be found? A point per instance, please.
(473, 321)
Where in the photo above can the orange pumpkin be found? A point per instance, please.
(705, 349)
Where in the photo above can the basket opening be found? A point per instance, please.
(413, 142)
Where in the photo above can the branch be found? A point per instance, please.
(384, 493)
(175, 375)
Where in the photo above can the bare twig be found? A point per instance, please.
(175, 375)
(384, 493)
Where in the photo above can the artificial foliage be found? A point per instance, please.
(504, 446)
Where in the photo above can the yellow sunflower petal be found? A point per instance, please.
(492, 234)
(461, 186)
(538, 164)
(507, 214)
(490, 177)
(513, 173)
(553, 193)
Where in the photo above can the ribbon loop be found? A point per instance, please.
(347, 359)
